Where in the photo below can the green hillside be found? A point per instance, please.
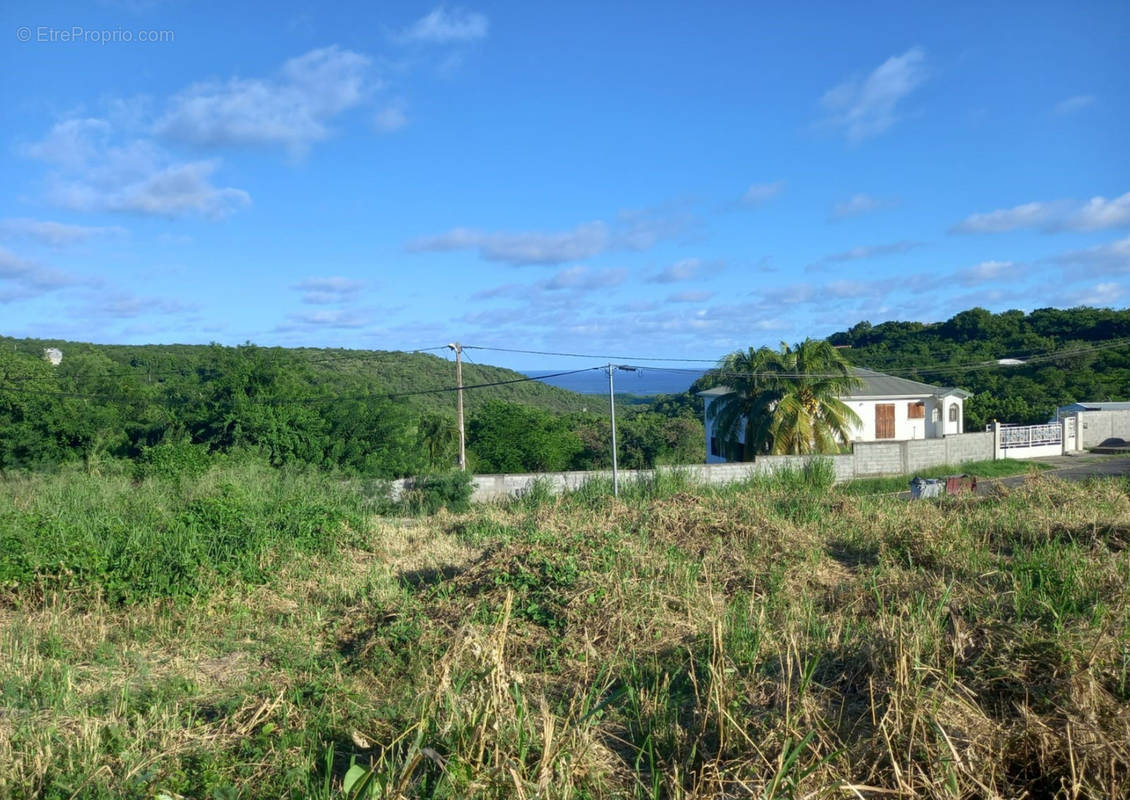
(338, 372)
(374, 413)
(1068, 355)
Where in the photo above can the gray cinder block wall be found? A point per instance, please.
(1095, 427)
(867, 459)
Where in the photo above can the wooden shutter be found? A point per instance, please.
(885, 421)
(916, 410)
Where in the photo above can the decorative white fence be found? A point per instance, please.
(1031, 435)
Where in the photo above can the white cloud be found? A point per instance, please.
(760, 193)
(55, 234)
(94, 174)
(326, 318)
(631, 230)
(868, 107)
(849, 288)
(1101, 294)
(169, 191)
(685, 270)
(534, 247)
(690, 297)
(325, 291)
(1028, 215)
(1098, 213)
(72, 143)
(863, 252)
(292, 109)
(988, 272)
(390, 118)
(584, 279)
(1073, 104)
(642, 229)
(125, 305)
(22, 279)
(446, 26)
(855, 206)
(1112, 258)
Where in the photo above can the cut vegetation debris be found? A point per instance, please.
(766, 640)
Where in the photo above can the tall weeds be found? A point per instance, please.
(769, 641)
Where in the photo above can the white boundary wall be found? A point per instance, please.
(867, 459)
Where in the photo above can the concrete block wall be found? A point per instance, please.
(969, 447)
(879, 458)
(924, 453)
(867, 459)
(1095, 427)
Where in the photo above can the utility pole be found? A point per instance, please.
(458, 348)
(612, 412)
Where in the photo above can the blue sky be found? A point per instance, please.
(651, 179)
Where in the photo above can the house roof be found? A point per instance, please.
(1104, 406)
(876, 384)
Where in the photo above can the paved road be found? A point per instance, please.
(1068, 468)
(1078, 468)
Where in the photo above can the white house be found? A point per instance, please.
(889, 409)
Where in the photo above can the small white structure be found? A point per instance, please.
(54, 355)
(889, 409)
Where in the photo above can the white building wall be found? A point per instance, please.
(930, 426)
(934, 424)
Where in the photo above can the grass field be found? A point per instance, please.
(254, 634)
(982, 470)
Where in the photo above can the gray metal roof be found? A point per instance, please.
(876, 384)
(1104, 406)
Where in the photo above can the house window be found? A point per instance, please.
(916, 410)
(715, 450)
(953, 412)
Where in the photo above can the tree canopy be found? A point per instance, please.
(784, 402)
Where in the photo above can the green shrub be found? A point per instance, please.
(171, 460)
(427, 494)
(169, 536)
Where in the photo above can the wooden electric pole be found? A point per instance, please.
(458, 348)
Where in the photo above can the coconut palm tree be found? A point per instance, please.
(746, 414)
(810, 417)
(784, 402)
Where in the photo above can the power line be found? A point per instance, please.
(345, 398)
(589, 355)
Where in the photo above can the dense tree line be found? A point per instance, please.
(1067, 353)
(303, 406)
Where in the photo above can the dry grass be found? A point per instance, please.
(753, 643)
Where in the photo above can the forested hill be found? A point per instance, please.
(1070, 355)
(322, 372)
(366, 412)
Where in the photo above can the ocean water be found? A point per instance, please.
(641, 382)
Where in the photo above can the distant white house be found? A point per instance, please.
(1075, 408)
(53, 355)
(889, 409)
